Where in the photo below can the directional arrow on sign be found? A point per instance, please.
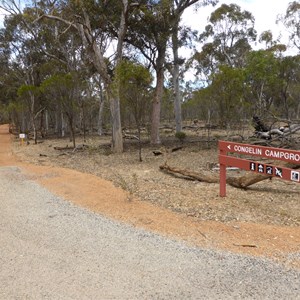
(229, 147)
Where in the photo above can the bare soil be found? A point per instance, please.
(262, 220)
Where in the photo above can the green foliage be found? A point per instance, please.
(134, 87)
(25, 90)
(132, 74)
(60, 81)
(227, 38)
(291, 20)
(200, 106)
(228, 90)
(181, 136)
(263, 77)
(63, 89)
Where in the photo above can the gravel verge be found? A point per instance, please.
(52, 249)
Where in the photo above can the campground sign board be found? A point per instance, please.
(291, 156)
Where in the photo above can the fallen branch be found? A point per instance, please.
(190, 174)
(63, 148)
(131, 136)
(245, 245)
(281, 132)
(246, 180)
(160, 152)
(157, 152)
(80, 147)
(238, 182)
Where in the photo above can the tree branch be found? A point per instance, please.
(57, 18)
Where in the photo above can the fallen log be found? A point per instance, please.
(160, 152)
(244, 181)
(239, 182)
(189, 174)
(130, 136)
(63, 148)
(80, 147)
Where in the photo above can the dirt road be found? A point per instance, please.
(53, 249)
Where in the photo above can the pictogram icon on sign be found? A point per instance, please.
(252, 166)
(261, 168)
(295, 176)
(278, 172)
(269, 170)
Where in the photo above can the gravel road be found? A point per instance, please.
(52, 249)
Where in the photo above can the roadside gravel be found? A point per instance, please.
(52, 249)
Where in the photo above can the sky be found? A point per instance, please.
(265, 13)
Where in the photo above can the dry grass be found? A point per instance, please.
(269, 202)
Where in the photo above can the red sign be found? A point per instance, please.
(268, 152)
(250, 165)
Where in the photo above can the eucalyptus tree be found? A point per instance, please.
(39, 51)
(180, 36)
(228, 91)
(149, 31)
(135, 86)
(24, 60)
(94, 21)
(271, 44)
(66, 89)
(263, 79)
(8, 86)
(226, 39)
(291, 20)
(273, 82)
(288, 103)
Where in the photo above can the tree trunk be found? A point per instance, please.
(100, 111)
(156, 105)
(62, 125)
(117, 137)
(238, 182)
(140, 142)
(298, 112)
(177, 98)
(83, 121)
(32, 103)
(46, 121)
(100, 65)
(34, 130)
(72, 131)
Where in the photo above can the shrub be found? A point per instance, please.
(180, 135)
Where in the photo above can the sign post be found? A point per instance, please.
(22, 136)
(286, 155)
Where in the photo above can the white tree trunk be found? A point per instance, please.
(177, 96)
(100, 117)
(63, 124)
(156, 107)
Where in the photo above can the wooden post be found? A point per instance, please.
(222, 175)
(22, 136)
